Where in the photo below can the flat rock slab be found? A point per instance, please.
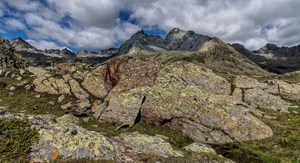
(141, 143)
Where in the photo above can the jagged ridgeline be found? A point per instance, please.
(183, 98)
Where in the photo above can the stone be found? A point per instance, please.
(61, 98)
(77, 91)
(200, 147)
(123, 108)
(78, 108)
(27, 87)
(247, 82)
(98, 108)
(264, 100)
(71, 141)
(124, 75)
(21, 71)
(19, 78)
(12, 88)
(142, 143)
(205, 117)
(67, 118)
(51, 103)
(11, 93)
(199, 76)
(37, 71)
(37, 96)
(95, 85)
(51, 85)
(289, 91)
(238, 93)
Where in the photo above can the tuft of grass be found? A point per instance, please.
(16, 139)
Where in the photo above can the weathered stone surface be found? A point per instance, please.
(123, 108)
(141, 143)
(197, 75)
(273, 87)
(51, 85)
(67, 118)
(204, 117)
(95, 85)
(77, 91)
(78, 108)
(37, 71)
(124, 75)
(65, 68)
(200, 148)
(69, 141)
(61, 98)
(238, 93)
(247, 82)
(264, 100)
(289, 91)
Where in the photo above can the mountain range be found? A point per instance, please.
(270, 57)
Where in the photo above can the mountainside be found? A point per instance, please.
(50, 57)
(273, 58)
(8, 57)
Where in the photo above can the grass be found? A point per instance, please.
(143, 127)
(16, 137)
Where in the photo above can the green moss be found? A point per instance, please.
(16, 139)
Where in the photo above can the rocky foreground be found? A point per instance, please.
(183, 96)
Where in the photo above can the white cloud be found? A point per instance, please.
(95, 24)
(43, 44)
(23, 5)
(15, 24)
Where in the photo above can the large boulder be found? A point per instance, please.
(264, 100)
(124, 75)
(77, 91)
(51, 85)
(247, 83)
(289, 91)
(94, 83)
(122, 108)
(197, 75)
(78, 108)
(153, 145)
(205, 117)
(200, 147)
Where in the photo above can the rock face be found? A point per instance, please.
(200, 148)
(208, 118)
(178, 39)
(247, 82)
(94, 83)
(289, 91)
(123, 108)
(141, 143)
(78, 108)
(262, 99)
(8, 58)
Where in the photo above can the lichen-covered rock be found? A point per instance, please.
(197, 75)
(202, 116)
(272, 87)
(262, 99)
(122, 108)
(67, 118)
(142, 143)
(95, 85)
(238, 93)
(289, 91)
(78, 108)
(124, 75)
(77, 91)
(200, 148)
(70, 141)
(247, 82)
(51, 85)
(38, 71)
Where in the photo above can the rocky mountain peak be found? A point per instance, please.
(19, 44)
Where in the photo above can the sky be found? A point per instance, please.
(100, 24)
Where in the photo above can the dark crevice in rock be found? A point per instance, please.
(165, 121)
